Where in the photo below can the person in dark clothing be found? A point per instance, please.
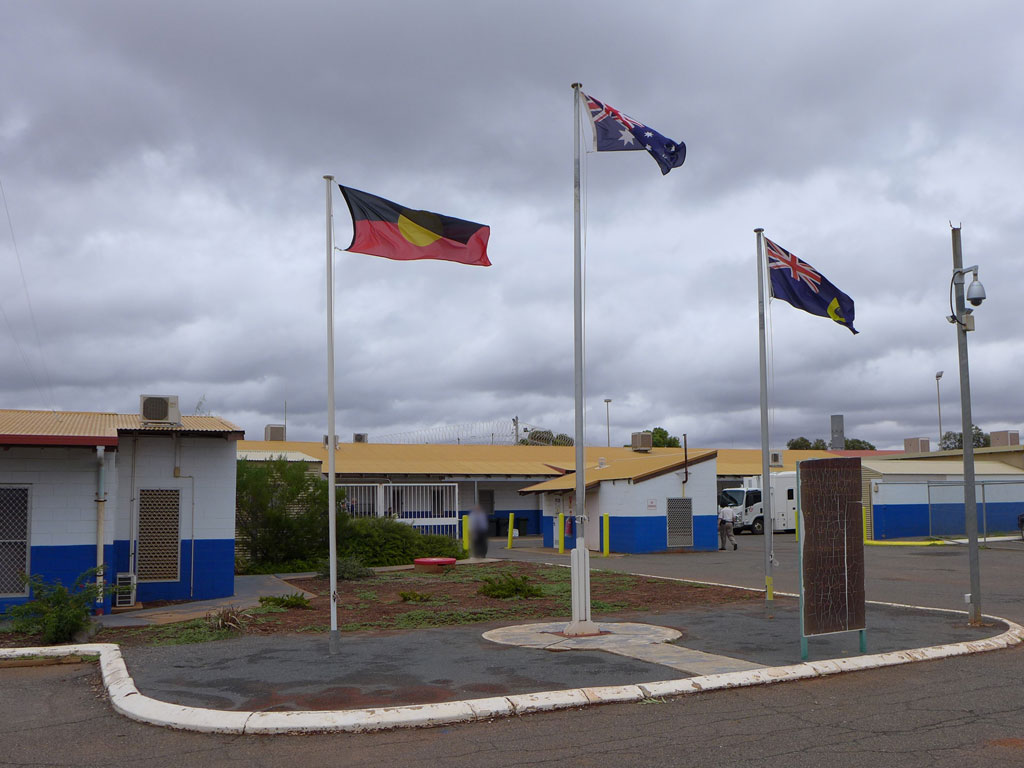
(478, 529)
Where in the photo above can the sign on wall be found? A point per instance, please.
(831, 546)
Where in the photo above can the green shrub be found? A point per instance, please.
(508, 586)
(381, 541)
(55, 611)
(349, 569)
(288, 566)
(294, 600)
(414, 597)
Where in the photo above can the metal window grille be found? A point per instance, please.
(159, 521)
(14, 548)
(679, 518)
(430, 507)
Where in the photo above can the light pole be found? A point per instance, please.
(608, 419)
(964, 321)
(938, 399)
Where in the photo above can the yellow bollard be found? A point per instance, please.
(561, 533)
(607, 518)
(465, 532)
(511, 527)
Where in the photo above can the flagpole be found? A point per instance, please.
(766, 487)
(332, 507)
(579, 559)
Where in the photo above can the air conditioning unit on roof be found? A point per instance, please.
(775, 458)
(160, 409)
(642, 441)
(275, 433)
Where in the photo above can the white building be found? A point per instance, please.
(151, 500)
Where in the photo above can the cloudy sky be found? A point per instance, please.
(162, 164)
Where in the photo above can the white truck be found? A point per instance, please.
(748, 506)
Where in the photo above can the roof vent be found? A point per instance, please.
(275, 433)
(161, 409)
(360, 437)
(601, 463)
(643, 441)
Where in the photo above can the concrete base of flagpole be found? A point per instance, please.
(334, 643)
(581, 629)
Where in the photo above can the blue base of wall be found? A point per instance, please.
(639, 535)
(894, 521)
(214, 572)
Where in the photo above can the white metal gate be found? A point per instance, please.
(430, 507)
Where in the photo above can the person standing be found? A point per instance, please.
(478, 530)
(726, 520)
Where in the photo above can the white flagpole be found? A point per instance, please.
(332, 509)
(580, 558)
(766, 486)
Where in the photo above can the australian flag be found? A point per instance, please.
(805, 288)
(615, 132)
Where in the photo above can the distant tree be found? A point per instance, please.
(954, 441)
(660, 438)
(799, 444)
(853, 444)
(819, 445)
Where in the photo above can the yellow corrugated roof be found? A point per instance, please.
(939, 467)
(747, 461)
(88, 424)
(637, 467)
(457, 460)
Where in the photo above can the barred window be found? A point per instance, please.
(14, 548)
(159, 522)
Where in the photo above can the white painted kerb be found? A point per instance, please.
(126, 699)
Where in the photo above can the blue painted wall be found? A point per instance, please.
(548, 525)
(637, 535)
(63, 564)
(894, 521)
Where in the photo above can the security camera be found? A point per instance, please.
(976, 292)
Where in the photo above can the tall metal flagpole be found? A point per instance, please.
(580, 558)
(332, 508)
(766, 485)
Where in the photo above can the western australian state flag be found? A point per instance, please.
(805, 288)
(616, 132)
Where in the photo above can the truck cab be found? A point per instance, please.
(748, 507)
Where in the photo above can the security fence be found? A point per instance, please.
(430, 507)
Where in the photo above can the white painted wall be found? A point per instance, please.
(62, 496)
(915, 491)
(207, 465)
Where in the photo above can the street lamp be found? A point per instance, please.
(938, 399)
(608, 419)
(964, 321)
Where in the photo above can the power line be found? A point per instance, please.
(31, 311)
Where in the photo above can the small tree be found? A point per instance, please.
(954, 441)
(660, 438)
(819, 445)
(853, 444)
(799, 444)
(281, 511)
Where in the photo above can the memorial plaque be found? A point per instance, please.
(832, 546)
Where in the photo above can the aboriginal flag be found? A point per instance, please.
(383, 228)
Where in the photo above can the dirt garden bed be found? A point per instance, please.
(404, 600)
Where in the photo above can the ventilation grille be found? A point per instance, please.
(158, 534)
(13, 540)
(680, 522)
